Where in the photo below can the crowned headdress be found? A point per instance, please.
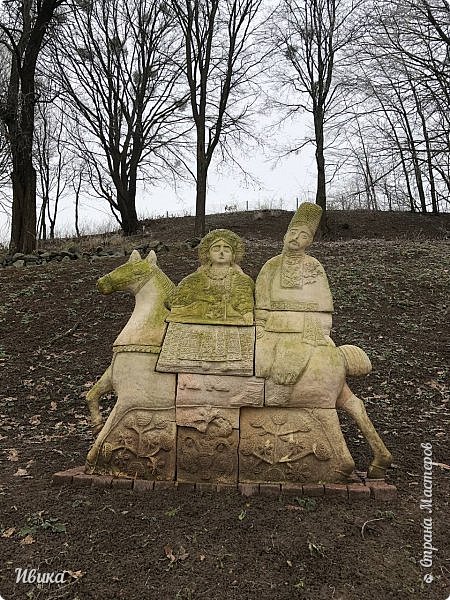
(307, 214)
(227, 236)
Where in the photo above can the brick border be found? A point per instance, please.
(360, 488)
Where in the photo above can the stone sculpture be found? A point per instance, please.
(207, 400)
(211, 313)
(138, 438)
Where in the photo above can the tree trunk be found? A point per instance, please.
(42, 224)
(23, 223)
(200, 204)
(321, 194)
(77, 207)
(202, 174)
(126, 202)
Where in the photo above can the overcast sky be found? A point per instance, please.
(278, 185)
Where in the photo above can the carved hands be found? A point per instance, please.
(259, 331)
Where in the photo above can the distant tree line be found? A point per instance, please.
(100, 96)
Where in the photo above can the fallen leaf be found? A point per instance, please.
(182, 554)
(21, 473)
(169, 553)
(53, 405)
(8, 532)
(13, 455)
(35, 420)
(441, 465)
(29, 539)
(76, 574)
(435, 385)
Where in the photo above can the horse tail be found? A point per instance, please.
(356, 360)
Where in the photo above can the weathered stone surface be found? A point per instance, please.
(314, 490)
(185, 486)
(209, 457)
(141, 443)
(293, 305)
(206, 487)
(102, 481)
(211, 313)
(202, 417)
(336, 490)
(357, 362)
(269, 489)
(297, 445)
(218, 292)
(135, 380)
(81, 480)
(358, 491)
(319, 386)
(217, 390)
(203, 297)
(142, 486)
(380, 490)
(146, 325)
(248, 489)
(122, 483)
(292, 489)
(283, 421)
(208, 349)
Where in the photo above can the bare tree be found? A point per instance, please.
(222, 59)
(311, 37)
(5, 170)
(402, 82)
(52, 159)
(22, 31)
(119, 66)
(5, 154)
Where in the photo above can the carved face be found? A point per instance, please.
(297, 239)
(221, 253)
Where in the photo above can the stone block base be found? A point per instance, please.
(364, 489)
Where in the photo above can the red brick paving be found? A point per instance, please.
(365, 489)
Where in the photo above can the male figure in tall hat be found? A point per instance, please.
(293, 303)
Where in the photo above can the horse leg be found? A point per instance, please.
(354, 406)
(102, 387)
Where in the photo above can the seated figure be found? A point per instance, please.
(293, 303)
(211, 313)
(205, 426)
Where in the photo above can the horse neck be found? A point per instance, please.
(146, 326)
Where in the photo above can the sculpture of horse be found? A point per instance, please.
(139, 437)
(130, 441)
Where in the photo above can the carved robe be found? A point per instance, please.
(199, 298)
(210, 325)
(294, 305)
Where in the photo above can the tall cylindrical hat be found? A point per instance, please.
(307, 214)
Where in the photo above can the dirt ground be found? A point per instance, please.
(389, 275)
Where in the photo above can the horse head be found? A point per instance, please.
(131, 276)
(151, 288)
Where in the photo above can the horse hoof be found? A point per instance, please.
(377, 471)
